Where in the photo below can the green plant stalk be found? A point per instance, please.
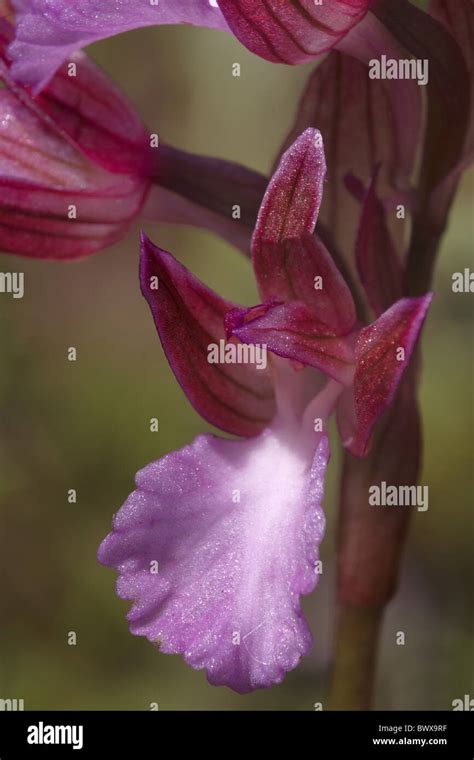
(355, 657)
(370, 544)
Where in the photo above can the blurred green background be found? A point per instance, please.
(85, 425)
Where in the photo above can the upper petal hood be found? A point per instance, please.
(291, 202)
(216, 546)
(49, 31)
(287, 258)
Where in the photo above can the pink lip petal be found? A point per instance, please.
(226, 523)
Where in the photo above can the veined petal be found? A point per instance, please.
(189, 317)
(293, 31)
(303, 270)
(288, 211)
(291, 203)
(379, 266)
(95, 117)
(88, 109)
(54, 202)
(383, 352)
(43, 238)
(290, 330)
(49, 31)
(357, 116)
(216, 546)
(95, 114)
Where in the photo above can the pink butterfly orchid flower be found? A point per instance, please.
(221, 539)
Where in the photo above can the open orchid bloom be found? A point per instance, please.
(220, 539)
(50, 31)
(77, 166)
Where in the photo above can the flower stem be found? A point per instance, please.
(370, 542)
(355, 657)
